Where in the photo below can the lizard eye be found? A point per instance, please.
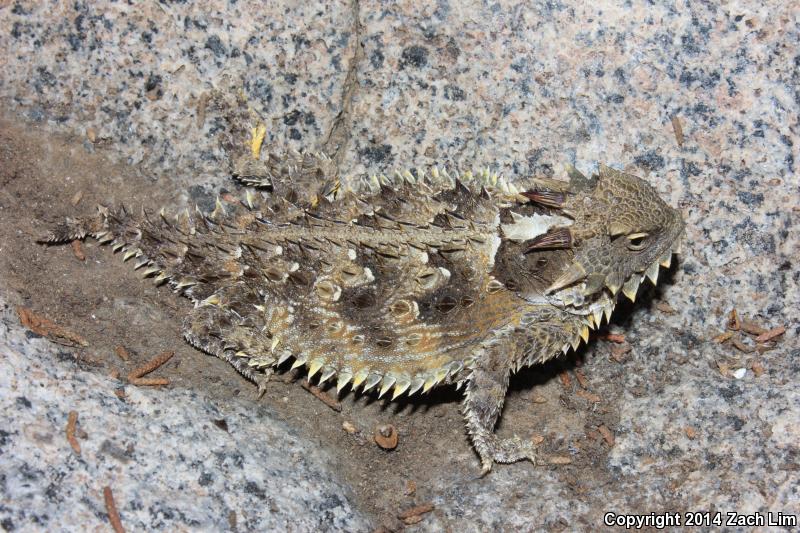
(636, 241)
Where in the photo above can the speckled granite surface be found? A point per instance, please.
(137, 445)
(522, 88)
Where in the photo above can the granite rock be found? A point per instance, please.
(702, 99)
(243, 467)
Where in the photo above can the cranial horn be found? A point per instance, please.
(608, 172)
(578, 182)
(574, 273)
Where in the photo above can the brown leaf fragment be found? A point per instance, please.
(565, 379)
(202, 104)
(586, 395)
(72, 422)
(607, 434)
(111, 509)
(723, 337)
(150, 366)
(613, 337)
(411, 487)
(386, 437)
(323, 396)
(539, 399)
(618, 351)
(665, 308)
(76, 198)
(677, 129)
(581, 379)
(757, 368)
(752, 328)
(149, 382)
(411, 520)
(122, 353)
(537, 439)
(733, 321)
(47, 328)
(559, 460)
(724, 369)
(77, 250)
(690, 432)
(742, 347)
(764, 348)
(771, 334)
(414, 514)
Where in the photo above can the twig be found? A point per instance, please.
(771, 334)
(72, 421)
(733, 321)
(608, 436)
(723, 337)
(47, 328)
(122, 353)
(323, 396)
(77, 250)
(581, 379)
(742, 347)
(111, 509)
(677, 129)
(589, 396)
(151, 365)
(752, 328)
(414, 514)
(149, 382)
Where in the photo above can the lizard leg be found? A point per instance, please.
(483, 403)
(217, 332)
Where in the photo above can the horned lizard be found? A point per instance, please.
(401, 284)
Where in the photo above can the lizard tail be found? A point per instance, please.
(72, 229)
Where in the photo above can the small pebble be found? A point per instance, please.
(386, 437)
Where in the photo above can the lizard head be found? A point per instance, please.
(618, 231)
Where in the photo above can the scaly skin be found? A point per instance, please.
(403, 284)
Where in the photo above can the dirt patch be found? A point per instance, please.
(42, 176)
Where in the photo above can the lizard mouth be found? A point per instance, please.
(577, 299)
